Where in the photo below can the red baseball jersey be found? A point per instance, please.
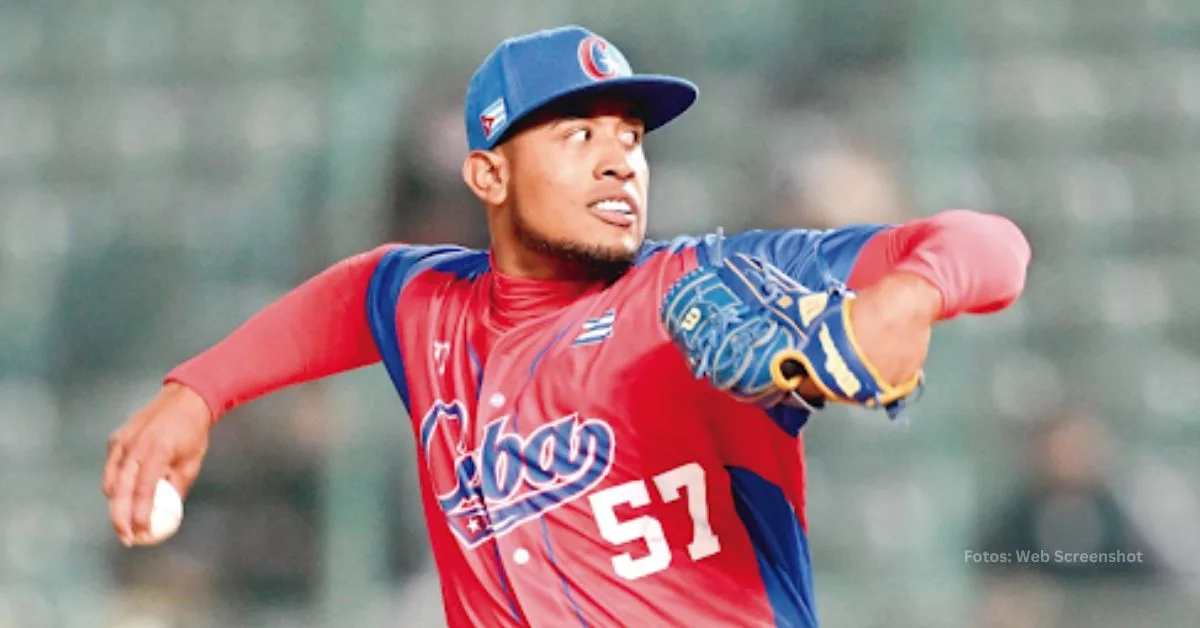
(573, 471)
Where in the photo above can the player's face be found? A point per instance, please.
(578, 185)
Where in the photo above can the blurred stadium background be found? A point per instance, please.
(168, 167)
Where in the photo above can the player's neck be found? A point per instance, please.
(521, 291)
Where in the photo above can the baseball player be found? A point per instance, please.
(608, 429)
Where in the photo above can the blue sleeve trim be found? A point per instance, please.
(393, 273)
(815, 258)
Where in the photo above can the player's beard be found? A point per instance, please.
(589, 261)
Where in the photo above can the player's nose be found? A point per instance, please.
(614, 164)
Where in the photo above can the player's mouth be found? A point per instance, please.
(619, 211)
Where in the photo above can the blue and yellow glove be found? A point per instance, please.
(757, 334)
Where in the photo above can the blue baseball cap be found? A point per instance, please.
(528, 72)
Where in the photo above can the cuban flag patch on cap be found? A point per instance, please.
(493, 118)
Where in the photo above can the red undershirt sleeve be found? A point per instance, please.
(977, 261)
(318, 329)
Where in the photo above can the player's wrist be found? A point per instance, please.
(188, 401)
(908, 297)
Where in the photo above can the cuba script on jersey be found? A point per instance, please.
(510, 479)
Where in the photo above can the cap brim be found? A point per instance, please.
(657, 99)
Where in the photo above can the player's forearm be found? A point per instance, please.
(976, 261)
(927, 270)
(318, 329)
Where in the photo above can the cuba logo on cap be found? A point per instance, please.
(600, 60)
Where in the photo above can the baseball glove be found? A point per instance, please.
(757, 334)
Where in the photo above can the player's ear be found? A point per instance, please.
(486, 173)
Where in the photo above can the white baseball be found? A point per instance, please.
(166, 515)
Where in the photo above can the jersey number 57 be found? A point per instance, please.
(689, 479)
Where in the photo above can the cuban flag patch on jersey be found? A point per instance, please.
(596, 329)
(493, 118)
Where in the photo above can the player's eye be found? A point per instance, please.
(631, 137)
(579, 135)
